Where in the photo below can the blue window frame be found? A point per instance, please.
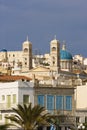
(59, 102)
(41, 100)
(50, 102)
(68, 104)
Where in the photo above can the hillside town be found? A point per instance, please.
(56, 80)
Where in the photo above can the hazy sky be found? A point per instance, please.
(41, 20)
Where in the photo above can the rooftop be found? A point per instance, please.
(8, 78)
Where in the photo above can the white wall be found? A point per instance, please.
(9, 88)
(19, 88)
(81, 97)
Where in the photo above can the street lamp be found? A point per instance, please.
(81, 127)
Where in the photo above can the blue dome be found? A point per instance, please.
(3, 50)
(65, 55)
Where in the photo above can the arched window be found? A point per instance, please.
(53, 48)
(13, 55)
(25, 49)
(53, 58)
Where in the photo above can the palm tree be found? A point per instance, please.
(28, 117)
(4, 127)
(55, 122)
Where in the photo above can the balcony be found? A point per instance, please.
(60, 112)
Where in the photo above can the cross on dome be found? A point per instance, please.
(55, 37)
(64, 45)
(27, 37)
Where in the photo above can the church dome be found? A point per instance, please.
(64, 54)
(3, 50)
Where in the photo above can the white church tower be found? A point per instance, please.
(27, 56)
(54, 55)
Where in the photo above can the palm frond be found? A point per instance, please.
(29, 117)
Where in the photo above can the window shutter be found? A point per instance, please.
(50, 102)
(41, 100)
(59, 102)
(14, 98)
(68, 102)
(25, 99)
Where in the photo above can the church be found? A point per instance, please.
(54, 81)
(25, 60)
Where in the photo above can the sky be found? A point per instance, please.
(41, 20)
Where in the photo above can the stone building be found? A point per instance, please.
(23, 59)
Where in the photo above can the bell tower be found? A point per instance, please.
(54, 55)
(27, 56)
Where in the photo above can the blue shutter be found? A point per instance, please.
(59, 102)
(50, 102)
(68, 103)
(41, 100)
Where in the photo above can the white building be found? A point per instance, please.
(22, 58)
(13, 93)
(81, 104)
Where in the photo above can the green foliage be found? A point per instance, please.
(28, 117)
(4, 127)
(55, 121)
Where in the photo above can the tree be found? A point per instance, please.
(55, 121)
(28, 117)
(4, 127)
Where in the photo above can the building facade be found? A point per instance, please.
(12, 94)
(23, 59)
(53, 86)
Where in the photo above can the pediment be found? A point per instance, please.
(41, 69)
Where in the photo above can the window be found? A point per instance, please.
(50, 102)
(0, 116)
(25, 99)
(13, 55)
(59, 102)
(14, 98)
(25, 49)
(8, 101)
(68, 103)
(41, 100)
(25, 58)
(53, 62)
(77, 119)
(25, 63)
(3, 97)
(53, 58)
(53, 48)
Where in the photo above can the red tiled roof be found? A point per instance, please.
(8, 78)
